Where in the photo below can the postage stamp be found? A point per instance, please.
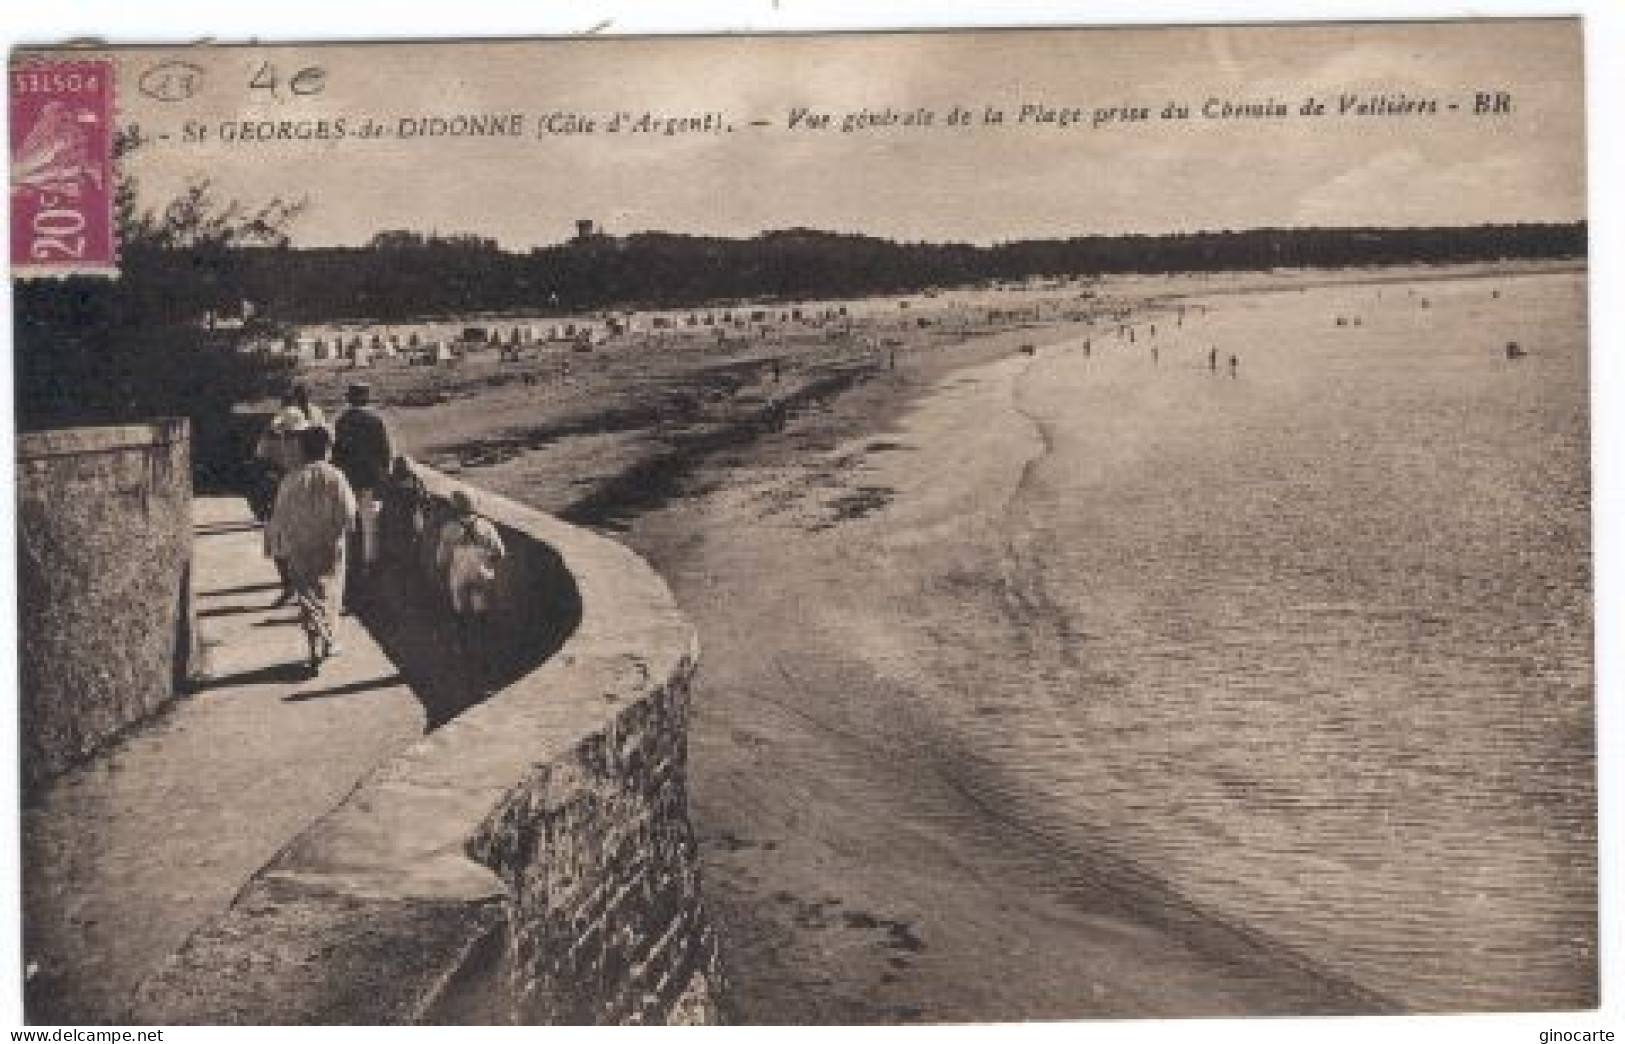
(62, 182)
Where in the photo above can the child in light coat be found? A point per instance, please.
(467, 554)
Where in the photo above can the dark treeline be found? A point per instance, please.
(401, 275)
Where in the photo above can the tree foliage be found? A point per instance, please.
(402, 275)
(93, 350)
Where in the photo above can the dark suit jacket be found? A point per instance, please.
(362, 448)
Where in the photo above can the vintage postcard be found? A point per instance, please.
(846, 528)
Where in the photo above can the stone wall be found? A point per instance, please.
(529, 861)
(104, 551)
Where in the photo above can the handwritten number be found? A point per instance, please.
(307, 81)
(264, 79)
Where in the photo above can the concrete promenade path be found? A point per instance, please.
(127, 855)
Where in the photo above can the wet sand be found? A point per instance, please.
(865, 864)
(980, 732)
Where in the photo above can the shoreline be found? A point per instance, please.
(846, 946)
(1296, 276)
(833, 843)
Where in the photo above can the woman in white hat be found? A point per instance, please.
(278, 452)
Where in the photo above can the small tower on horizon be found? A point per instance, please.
(584, 229)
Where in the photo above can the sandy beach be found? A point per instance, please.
(1051, 670)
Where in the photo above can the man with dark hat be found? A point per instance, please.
(364, 451)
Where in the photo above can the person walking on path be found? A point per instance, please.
(1213, 359)
(278, 453)
(297, 401)
(364, 451)
(1234, 362)
(315, 510)
(275, 455)
(466, 556)
(297, 411)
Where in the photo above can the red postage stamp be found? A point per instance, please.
(62, 181)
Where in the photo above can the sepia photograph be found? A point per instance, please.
(848, 528)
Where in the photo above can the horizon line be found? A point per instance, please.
(601, 234)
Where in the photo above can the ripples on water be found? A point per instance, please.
(1313, 646)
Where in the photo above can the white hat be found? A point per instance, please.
(289, 419)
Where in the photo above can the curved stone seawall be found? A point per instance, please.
(530, 861)
(104, 547)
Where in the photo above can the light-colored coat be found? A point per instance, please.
(315, 508)
(467, 554)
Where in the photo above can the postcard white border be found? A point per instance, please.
(170, 21)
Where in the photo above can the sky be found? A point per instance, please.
(976, 183)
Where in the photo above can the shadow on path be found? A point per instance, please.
(412, 625)
(272, 674)
(230, 610)
(212, 529)
(348, 689)
(241, 589)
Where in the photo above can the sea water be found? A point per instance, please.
(1309, 645)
